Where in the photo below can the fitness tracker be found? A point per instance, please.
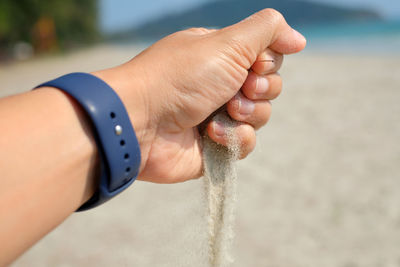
(116, 140)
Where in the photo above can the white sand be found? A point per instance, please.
(321, 189)
(220, 179)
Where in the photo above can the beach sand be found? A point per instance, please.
(321, 189)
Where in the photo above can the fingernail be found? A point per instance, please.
(298, 35)
(262, 85)
(246, 107)
(218, 128)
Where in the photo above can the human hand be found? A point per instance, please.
(174, 85)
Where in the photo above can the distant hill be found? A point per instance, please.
(225, 12)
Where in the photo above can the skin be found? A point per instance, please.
(49, 161)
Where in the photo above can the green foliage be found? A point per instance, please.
(75, 20)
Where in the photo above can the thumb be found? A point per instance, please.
(266, 28)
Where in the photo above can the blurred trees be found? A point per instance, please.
(47, 24)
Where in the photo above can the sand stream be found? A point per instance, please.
(220, 185)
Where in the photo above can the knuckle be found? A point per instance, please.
(202, 29)
(192, 29)
(248, 138)
(197, 30)
(272, 14)
(264, 116)
(248, 144)
(278, 89)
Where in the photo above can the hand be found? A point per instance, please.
(174, 85)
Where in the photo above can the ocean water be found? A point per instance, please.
(382, 37)
(378, 37)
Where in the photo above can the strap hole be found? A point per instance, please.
(122, 142)
(126, 156)
(112, 115)
(128, 169)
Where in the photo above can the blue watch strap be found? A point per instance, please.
(113, 132)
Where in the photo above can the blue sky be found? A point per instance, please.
(123, 14)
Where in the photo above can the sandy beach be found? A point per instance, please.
(322, 188)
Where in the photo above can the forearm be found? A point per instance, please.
(50, 171)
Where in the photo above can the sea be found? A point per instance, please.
(379, 37)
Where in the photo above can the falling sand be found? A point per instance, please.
(220, 185)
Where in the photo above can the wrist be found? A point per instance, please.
(131, 88)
